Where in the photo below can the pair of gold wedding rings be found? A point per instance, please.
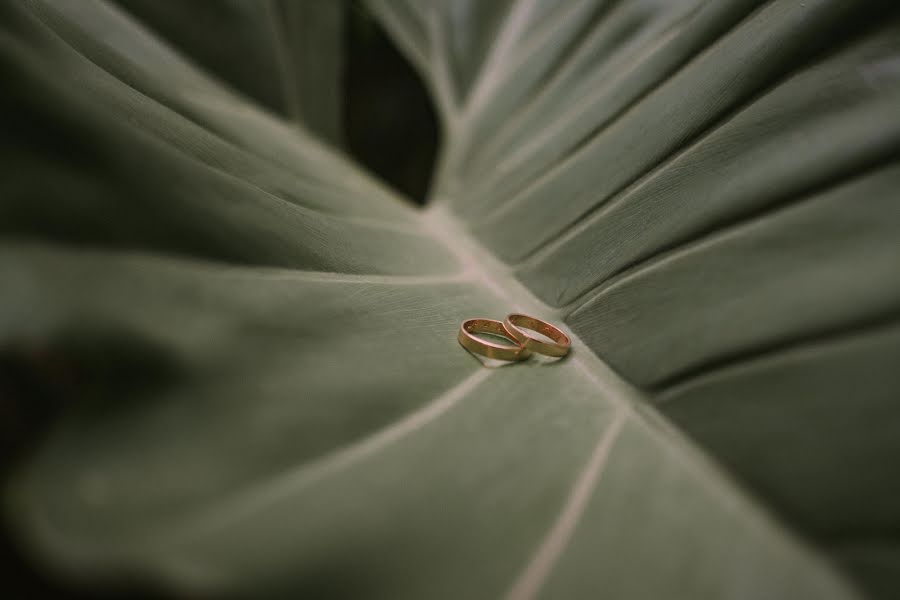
(513, 328)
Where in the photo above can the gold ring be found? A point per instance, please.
(561, 342)
(490, 349)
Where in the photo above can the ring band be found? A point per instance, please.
(561, 342)
(490, 349)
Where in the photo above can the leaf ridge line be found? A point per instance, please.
(307, 474)
(513, 26)
(731, 227)
(532, 578)
(438, 62)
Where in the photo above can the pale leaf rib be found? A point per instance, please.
(706, 240)
(439, 63)
(513, 26)
(497, 156)
(296, 480)
(147, 122)
(363, 279)
(530, 581)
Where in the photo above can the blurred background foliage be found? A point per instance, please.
(386, 120)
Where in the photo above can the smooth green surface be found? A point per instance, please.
(304, 433)
(699, 187)
(269, 399)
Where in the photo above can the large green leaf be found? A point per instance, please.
(708, 194)
(266, 393)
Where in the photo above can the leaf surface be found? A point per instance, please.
(266, 392)
(706, 190)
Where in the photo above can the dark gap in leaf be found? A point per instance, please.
(874, 564)
(31, 385)
(91, 368)
(37, 385)
(21, 579)
(390, 124)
